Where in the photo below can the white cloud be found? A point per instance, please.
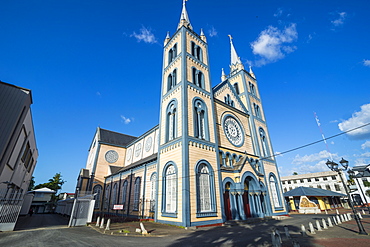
(126, 120)
(366, 62)
(340, 20)
(358, 119)
(367, 155)
(310, 168)
(322, 155)
(366, 145)
(212, 32)
(271, 45)
(98, 94)
(278, 12)
(145, 35)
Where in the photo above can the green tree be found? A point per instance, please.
(295, 173)
(31, 186)
(54, 183)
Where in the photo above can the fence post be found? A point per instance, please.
(312, 230)
(102, 223)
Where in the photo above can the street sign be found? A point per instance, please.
(118, 207)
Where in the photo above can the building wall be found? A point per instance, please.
(328, 180)
(18, 150)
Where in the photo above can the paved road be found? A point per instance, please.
(51, 230)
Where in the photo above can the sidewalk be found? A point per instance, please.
(252, 233)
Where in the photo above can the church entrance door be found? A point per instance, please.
(247, 209)
(227, 206)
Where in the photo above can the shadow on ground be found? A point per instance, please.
(243, 234)
(40, 221)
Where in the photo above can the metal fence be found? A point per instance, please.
(143, 210)
(10, 206)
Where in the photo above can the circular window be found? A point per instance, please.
(111, 156)
(138, 150)
(233, 131)
(148, 144)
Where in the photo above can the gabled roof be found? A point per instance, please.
(115, 138)
(307, 191)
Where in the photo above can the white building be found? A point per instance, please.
(18, 151)
(328, 180)
(361, 179)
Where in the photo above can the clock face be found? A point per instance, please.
(233, 131)
(111, 156)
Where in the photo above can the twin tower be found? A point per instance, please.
(208, 160)
(215, 159)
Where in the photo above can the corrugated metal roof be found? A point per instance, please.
(115, 138)
(307, 191)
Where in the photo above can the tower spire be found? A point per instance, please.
(235, 59)
(184, 18)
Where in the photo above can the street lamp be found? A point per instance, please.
(352, 174)
(335, 167)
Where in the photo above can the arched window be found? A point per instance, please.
(228, 100)
(106, 197)
(251, 88)
(265, 148)
(174, 78)
(200, 120)
(196, 51)
(153, 191)
(114, 195)
(198, 78)
(199, 54)
(171, 80)
(193, 48)
(236, 87)
(222, 159)
(257, 110)
(97, 191)
(124, 193)
(174, 50)
(170, 186)
(172, 54)
(137, 193)
(171, 119)
(274, 190)
(229, 161)
(204, 189)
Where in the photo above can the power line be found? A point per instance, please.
(290, 150)
(312, 143)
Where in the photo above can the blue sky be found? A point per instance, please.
(98, 63)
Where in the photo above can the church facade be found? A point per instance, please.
(210, 158)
